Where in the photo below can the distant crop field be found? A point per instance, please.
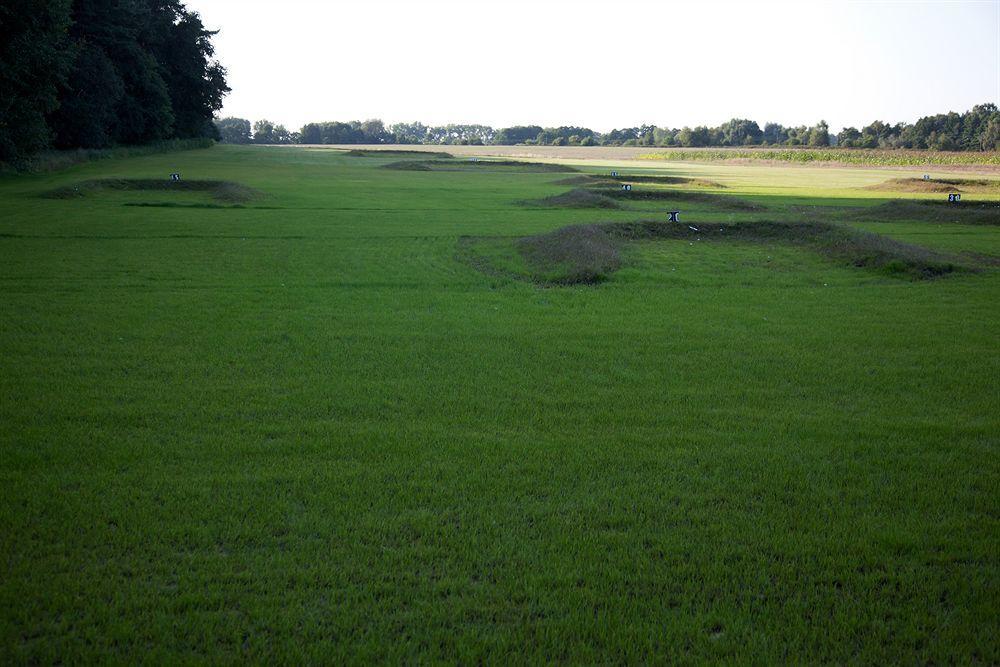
(306, 406)
(988, 161)
(847, 156)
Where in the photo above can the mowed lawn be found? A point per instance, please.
(308, 429)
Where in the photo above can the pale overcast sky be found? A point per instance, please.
(604, 64)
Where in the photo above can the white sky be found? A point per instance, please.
(604, 64)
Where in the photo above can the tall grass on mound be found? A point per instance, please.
(577, 198)
(56, 160)
(961, 212)
(467, 165)
(876, 158)
(578, 254)
(843, 244)
(223, 191)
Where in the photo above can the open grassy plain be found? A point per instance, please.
(316, 409)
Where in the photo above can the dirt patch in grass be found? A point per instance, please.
(938, 185)
(397, 153)
(468, 165)
(720, 201)
(840, 243)
(577, 198)
(578, 254)
(916, 210)
(223, 191)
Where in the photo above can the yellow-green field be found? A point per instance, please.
(314, 409)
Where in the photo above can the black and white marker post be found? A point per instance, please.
(674, 216)
(954, 197)
(627, 187)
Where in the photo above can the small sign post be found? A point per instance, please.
(927, 177)
(175, 176)
(627, 187)
(673, 215)
(614, 174)
(954, 197)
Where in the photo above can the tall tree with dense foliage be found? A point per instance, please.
(234, 130)
(34, 57)
(94, 73)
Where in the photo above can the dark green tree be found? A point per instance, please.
(34, 57)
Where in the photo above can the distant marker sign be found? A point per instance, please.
(673, 216)
(954, 197)
(627, 187)
(175, 176)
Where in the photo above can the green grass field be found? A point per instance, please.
(344, 420)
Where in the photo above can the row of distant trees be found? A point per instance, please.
(98, 73)
(974, 130)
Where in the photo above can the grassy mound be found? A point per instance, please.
(578, 254)
(578, 198)
(665, 180)
(938, 185)
(606, 181)
(589, 254)
(720, 201)
(396, 153)
(844, 244)
(468, 165)
(962, 212)
(223, 191)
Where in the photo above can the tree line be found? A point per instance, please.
(975, 130)
(100, 73)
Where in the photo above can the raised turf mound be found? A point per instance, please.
(590, 254)
(222, 191)
(578, 254)
(665, 180)
(578, 198)
(721, 201)
(843, 244)
(938, 185)
(936, 211)
(478, 165)
(397, 153)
